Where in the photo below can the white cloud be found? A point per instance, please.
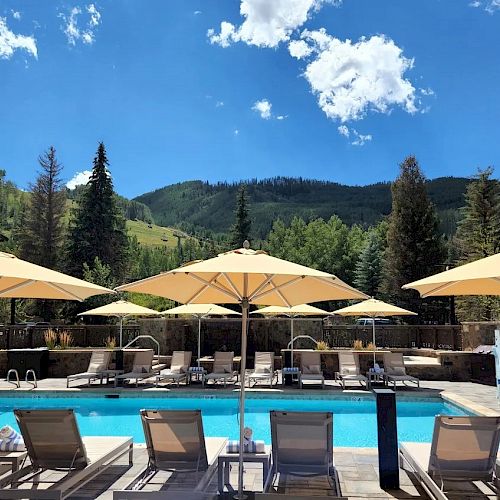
(281, 117)
(263, 107)
(475, 3)
(219, 104)
(349, 79)
(16, 14)
(10, 42)
(343, 130)
(197, 12)
(299, 49)
(357, 138)
(78, 179)
(490, 6)
(86, 33)
(236, 131)
(267, 22)
(427, 92)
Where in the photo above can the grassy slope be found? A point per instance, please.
(152, 236)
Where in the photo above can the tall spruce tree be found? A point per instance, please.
(414, 247)
(478, 236)
(240, 231)
(97, 228)
(368, 273)
(42, 232)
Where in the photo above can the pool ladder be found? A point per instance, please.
(29, 373)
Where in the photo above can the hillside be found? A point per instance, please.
(153, 235)
(196, 205)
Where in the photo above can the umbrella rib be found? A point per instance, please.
(439, 288)
(17, 286)
(332, 283)
(275, 289)
(60, 289)
(232, 285)
(281, 295)
(210, 284)
(266, 282)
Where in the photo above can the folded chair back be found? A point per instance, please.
(99, 361)
(143, 361)
(465, 447)
(175, 439)
(223, 362)
(52, 439)
(302, 442)
(181, 361)
(348, 363)
(394, 363)
(310, 362)
(264, 362)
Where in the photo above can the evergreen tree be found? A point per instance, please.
(478, 236)
(368, 273)
(97, 228)
(240, 231)
(414, 247)
(42, 232)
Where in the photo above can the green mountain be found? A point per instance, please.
(196, 205)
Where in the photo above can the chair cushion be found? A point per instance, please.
(262, 369)
(141, 369)
(397, 370)
(311, 369)
(178, 369)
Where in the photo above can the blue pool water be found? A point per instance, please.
(354, 422)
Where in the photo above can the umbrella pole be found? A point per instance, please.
(374, 347)
(291, 335)
(121, 332)
(244, 317)
(199, 340)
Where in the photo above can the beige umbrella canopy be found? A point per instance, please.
(120, 309)
(481, 277)
(200, 311)
(22, 279)
(244, 277)
(292, 312)
(373, 308)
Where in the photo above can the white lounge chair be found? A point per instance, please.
(302, 445)
(60, 460)
(179, 366)
(395, 371)
(310, 368)
(463, 449)
(263, 368)
(349, 370)
(98, 364)
(142, 368)
(222, 369)
(180, 456)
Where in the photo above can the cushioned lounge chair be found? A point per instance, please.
(463, 449)
(310, 368)
(60, 460)
(98, 364)
(179, 366)
(349, 370)
(142, 368)
(222, 369)
(176, 445)
(263, 368)
(302, 445)
(395, 371)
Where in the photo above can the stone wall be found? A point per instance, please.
(478, 333)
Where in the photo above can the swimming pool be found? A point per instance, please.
(354, 420)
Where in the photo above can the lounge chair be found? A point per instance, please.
(61, 461)
(395, 371)
(349, 370)
(178, 371)
(302, 445)
(310, 368)
(222, 369)
(96, 370)
(463, 449)
(176, 445)
(263, 368)
(142, 368)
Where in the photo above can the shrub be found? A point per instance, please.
(322, 346)
(110, 342)
(370, 347)
(358, 345)
(65, 340)
(50, 337)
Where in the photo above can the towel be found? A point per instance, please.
(290, 370)
(250, 447)
(196, 369)
(11, 440)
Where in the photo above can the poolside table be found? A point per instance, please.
(14, 458)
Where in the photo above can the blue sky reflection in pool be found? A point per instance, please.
(354, 422)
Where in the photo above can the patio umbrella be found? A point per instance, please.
(292, 312)
(244, 277)
(22, 279)
(481, 277)
(120, 309)
(200, 311)
(373, 308)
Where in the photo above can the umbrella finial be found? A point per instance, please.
(246, 244)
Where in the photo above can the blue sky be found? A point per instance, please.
(277, 89)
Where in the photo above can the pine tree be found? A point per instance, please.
(478, 236)
(43, 228)
(97, 228)
(240, 231)
(368, 273)
(414, 247)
